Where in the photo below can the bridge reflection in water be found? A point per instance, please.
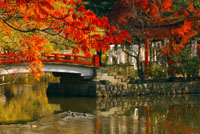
(33, 112)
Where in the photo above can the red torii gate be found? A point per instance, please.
(152, 33)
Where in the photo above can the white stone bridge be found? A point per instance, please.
(55, 63)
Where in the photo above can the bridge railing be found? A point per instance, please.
(52, 58)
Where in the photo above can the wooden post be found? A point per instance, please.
(75, 59)
(67, 57)
(56, 57)
(147, 54)
(95, 60)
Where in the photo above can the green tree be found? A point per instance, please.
(99, 7)
(186, 65)
(191, 68)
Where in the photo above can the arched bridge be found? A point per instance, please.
(55, 63)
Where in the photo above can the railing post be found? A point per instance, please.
(56, 57)
(95, 60)
(67, 57)
(75, 59)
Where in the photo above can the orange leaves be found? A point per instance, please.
(35, 70)
(43, 11)
(121, 38)
(142, 3)
(33, 46)
(191, 6)
(166, 4)
(158, 17)
(25, 17)
(74, 16)
(6, 30)
(62, 18)
(185, 31)
(46, 4)
(81, 8)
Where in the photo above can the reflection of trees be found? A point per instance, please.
(181, 116)
(155, 114)
(75, 104)
(25, 103)
(182, 119)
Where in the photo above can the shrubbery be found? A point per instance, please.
(157, 72)
(186, 65)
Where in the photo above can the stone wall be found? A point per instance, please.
(80, 87)
(168, 88)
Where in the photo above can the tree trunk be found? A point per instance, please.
(139, 69)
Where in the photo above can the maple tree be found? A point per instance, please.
(35, 21)
(161, 20)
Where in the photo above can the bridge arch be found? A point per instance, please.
(55, 63)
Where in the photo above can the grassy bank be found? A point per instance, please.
(26, 78)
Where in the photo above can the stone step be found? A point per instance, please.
(113, 77)
(118, 76)
(102, 75)
(112, 73)
(125, 80)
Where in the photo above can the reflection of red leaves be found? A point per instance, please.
(173, 124)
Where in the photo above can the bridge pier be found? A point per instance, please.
(72, 85)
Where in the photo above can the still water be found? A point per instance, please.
(25, 109)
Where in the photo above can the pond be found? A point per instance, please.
(25, 109)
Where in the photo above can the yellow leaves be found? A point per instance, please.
(6, 30)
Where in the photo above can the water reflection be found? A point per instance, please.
(33, 112)
(22, 103)
(164, 114)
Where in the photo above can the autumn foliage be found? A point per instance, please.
(66, 19)
(160, 18)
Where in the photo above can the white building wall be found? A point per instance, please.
(134, 51)
(111, 54)
(194, 48)
(142, 54)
